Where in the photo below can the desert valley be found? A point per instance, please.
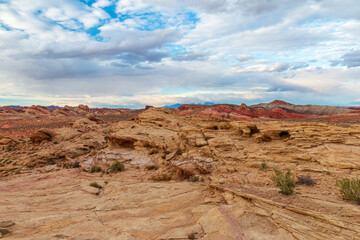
(195, 172)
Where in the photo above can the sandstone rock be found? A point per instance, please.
(122, 141)
(5, 224)
(6, 141)
(42, 135)
(245, 203)
(4, 231)
(83, 108)
(92, 117)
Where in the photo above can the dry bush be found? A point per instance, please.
(305, 180)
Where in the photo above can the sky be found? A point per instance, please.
(132, 53)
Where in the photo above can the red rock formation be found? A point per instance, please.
(236, 112)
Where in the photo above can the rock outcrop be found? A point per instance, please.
(269, 111)
(186, 177)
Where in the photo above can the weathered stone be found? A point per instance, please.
(4, 224)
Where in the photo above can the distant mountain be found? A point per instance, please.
(53, 107)
(176, 105)
(14, 106)
(173, 106)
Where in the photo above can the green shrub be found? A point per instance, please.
(117, 167)
(285, 182)
(194, 178)
(263, 166)
(349, 189)
(96, 169)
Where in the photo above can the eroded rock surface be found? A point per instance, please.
(186, 177)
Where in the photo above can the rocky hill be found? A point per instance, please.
(303, 109)
(267, 111)
(185, 177)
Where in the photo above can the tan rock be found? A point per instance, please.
(42, 135)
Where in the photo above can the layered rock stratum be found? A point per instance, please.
(186, 177)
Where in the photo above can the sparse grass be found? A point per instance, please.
(96, 169)
(305, 180)
(194, 178)
(117, 167)
(263, 166)
(95, 185)
(285, 182)
(349, 189)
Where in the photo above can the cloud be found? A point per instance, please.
(351, 59)
(191, 56)
(135, 52)
(244, 58)
(299, 65)
(277, 67)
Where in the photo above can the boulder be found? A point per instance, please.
(84, 108)
(42, 135)
(93, 118)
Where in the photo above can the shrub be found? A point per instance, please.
(305, 180)
(117, 167)
(95, 185)
(96, 169)
(194, 178)
(76, 165)
(349, 189)
(285, 182)
(263, 166)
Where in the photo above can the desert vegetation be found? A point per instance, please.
(117, 167)
(349, 189)
(305, 180)
(285, 181)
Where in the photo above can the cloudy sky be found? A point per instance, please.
(158, 52)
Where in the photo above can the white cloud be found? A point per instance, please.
(245, 50)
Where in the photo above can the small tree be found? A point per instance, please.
(285, 182)
(349, 189)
